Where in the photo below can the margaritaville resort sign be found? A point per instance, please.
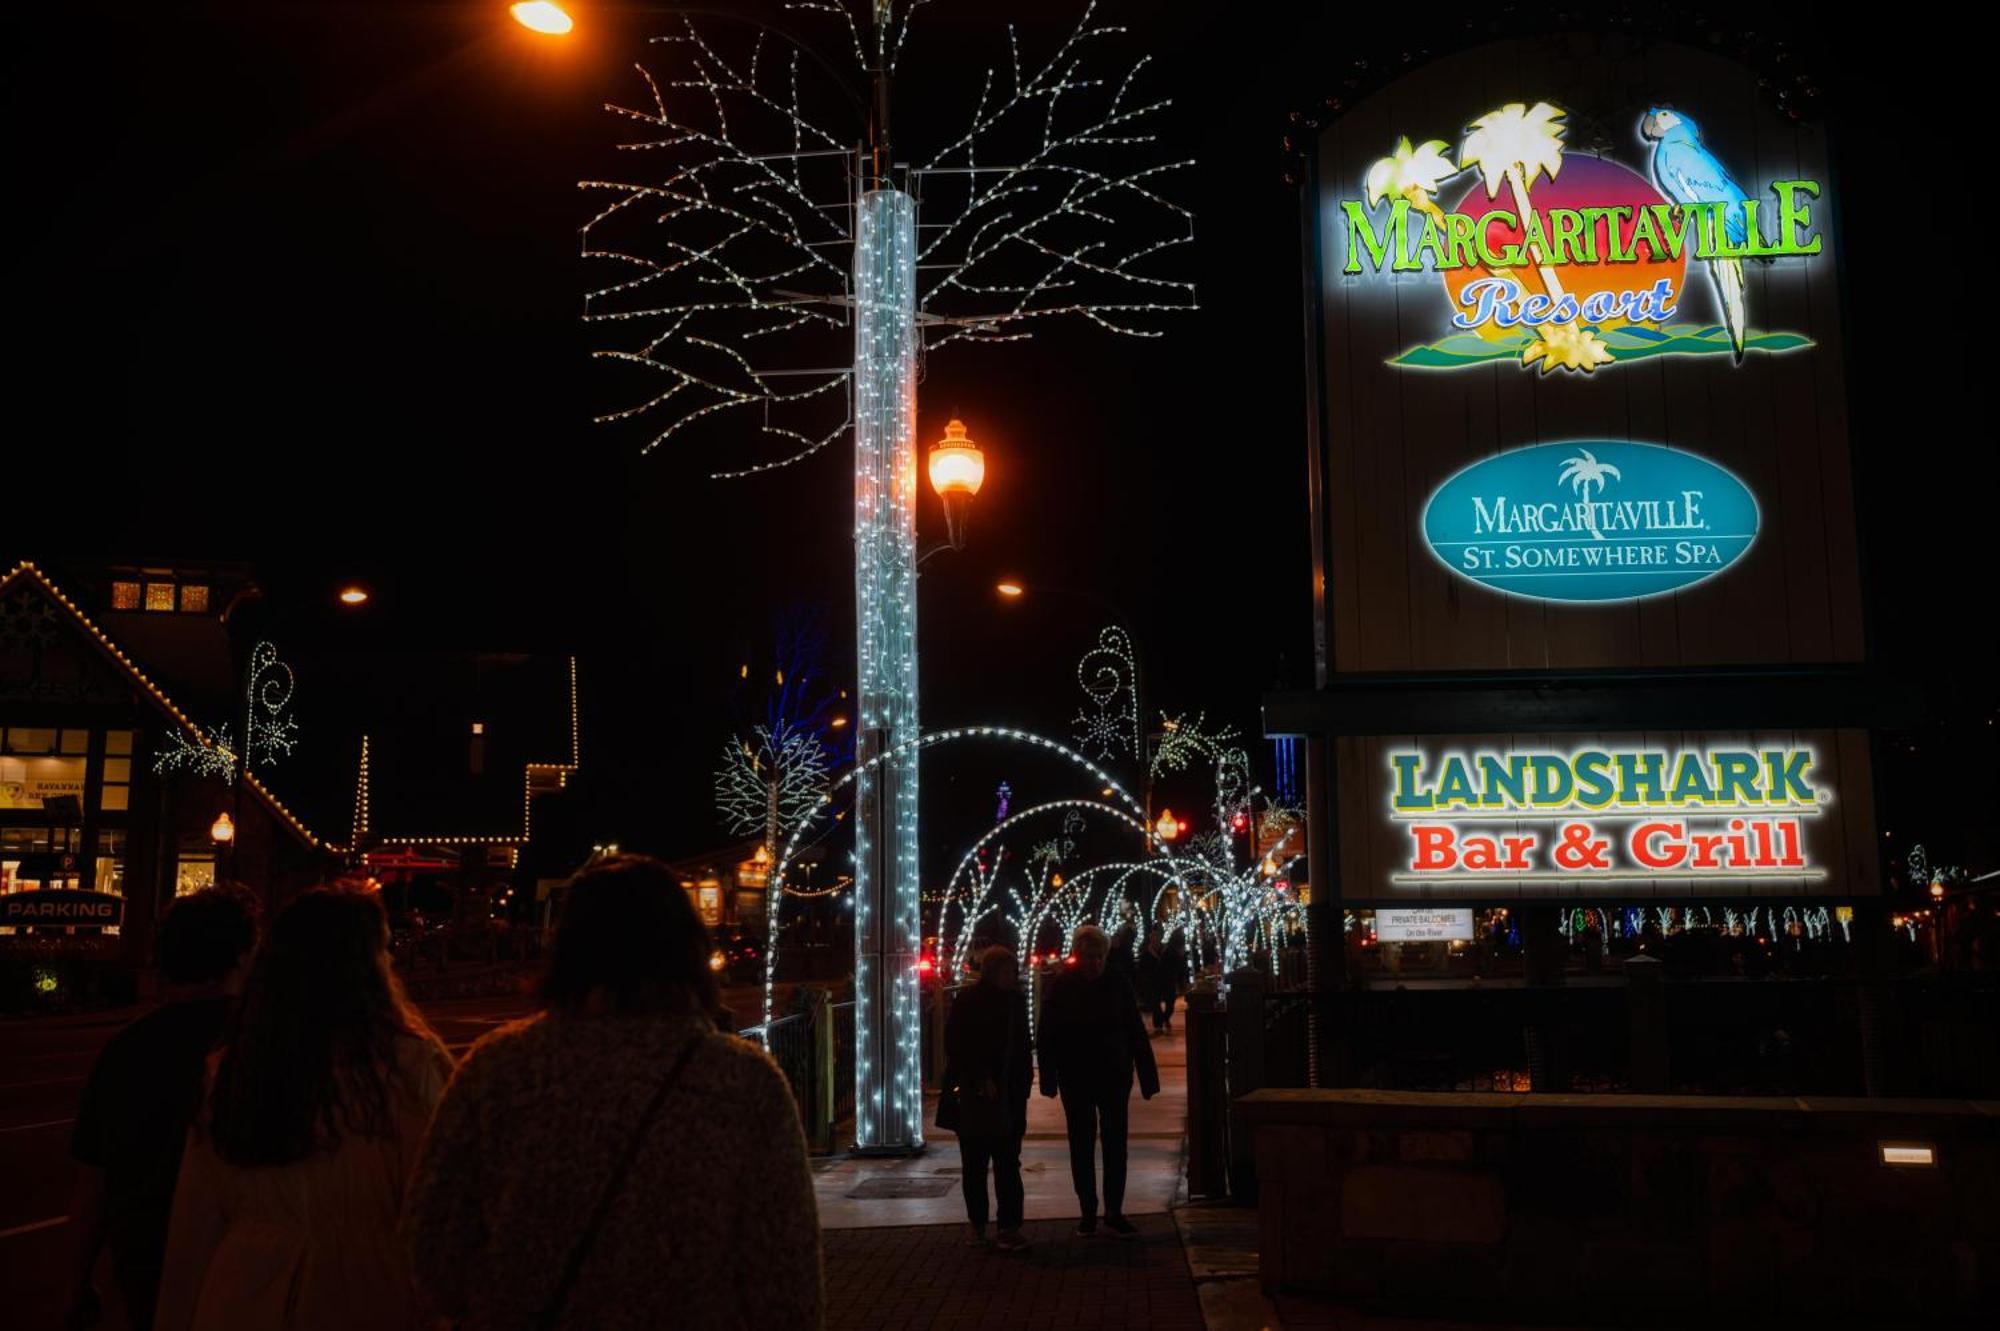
(1567, 260)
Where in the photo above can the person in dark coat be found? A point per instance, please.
(1092, 1045)
(1176, 973)
(988, 1070)
(143, 1093)
(1157, 988)
(1123, 961)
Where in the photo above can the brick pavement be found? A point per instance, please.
(927, 1276)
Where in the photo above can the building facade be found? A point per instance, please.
(100, 826)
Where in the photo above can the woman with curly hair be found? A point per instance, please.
(294, 1172)
(614, 1162)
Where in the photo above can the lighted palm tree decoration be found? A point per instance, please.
(1412, 173)
(1519, 144)
(1581, 473)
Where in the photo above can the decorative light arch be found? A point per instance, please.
(903, 1087)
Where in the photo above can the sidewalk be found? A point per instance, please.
(896, 1250)
(897, 1258)
(923, 1276)
(863, 1193)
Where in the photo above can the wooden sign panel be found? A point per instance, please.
(1669, 289)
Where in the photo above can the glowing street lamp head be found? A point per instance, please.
(543, 16)
(354, 595)
(223, 830)
(1013, 591)
(957, 465)
(957, 470)
(1168, 827)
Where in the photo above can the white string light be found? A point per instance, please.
(744, 238)
(770, 781)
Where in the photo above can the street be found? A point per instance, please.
(43, 1065)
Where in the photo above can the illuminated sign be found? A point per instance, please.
(1590, 520)
(1424, 926)
(1597, 815)
(1569, 260)
(25, 783)
(61, 908)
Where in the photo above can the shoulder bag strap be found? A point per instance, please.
(612, 1186)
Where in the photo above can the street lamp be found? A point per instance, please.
(223, 830)
(957, 469)
(354, 594)
(543, 16)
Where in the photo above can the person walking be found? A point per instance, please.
(285, 1212)
(1176, 974)
(988, 1071)
(143, 1092)
(612, 1161)
(1156, 982)
(1092, 1044)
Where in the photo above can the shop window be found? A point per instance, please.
(114, 792)
(26, 740)
(124, 595)
(111, 860)
(34, 858)
(194, 598)
(160, 596)
(29, 783)
(195, 869)
(708, 902)
(73, 741)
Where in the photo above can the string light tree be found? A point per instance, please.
(761, 241)
(772, 773)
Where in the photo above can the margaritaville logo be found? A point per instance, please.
(1590, 520)
(1570, 261)
(1605, 813)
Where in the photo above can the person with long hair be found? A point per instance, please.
(285, 1213)
(142, 1095)
(613, 1161)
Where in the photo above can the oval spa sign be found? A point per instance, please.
(1590, 520)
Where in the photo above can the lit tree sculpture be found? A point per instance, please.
(772, 773)
(758, 242)
(770, 781)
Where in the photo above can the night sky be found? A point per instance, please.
(299, 285)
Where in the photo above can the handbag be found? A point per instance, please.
(573, 1267)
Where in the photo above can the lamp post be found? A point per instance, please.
(893, 292)
(222, 835)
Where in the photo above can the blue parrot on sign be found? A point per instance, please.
(1686, 172)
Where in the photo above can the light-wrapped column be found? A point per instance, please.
(888, 1077)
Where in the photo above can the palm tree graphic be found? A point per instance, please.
(1582, 472)
(1516, 145)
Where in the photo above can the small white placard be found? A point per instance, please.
(1423, 926)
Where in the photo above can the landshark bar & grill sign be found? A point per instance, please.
(1548, 816)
